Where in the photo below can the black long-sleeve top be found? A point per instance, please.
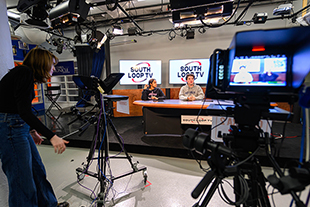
(17, 93)
(147, 93)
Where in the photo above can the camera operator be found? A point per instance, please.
(21, 161)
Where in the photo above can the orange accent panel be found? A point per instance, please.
(172, 103)
(36, 99)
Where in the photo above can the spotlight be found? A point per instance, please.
(260, 18)
(97, 39)
(59, 43)
(60, 48)
(190, 34)
(117, 30)
(132, 31)
(283, 9)
(68, 13)
(36, 10)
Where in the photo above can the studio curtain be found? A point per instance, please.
(89, 63)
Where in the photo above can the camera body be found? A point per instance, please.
(267, 64)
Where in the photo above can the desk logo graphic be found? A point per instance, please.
(140, 72)
(201, 120)
(192, 67)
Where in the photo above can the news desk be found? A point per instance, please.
(164, 117)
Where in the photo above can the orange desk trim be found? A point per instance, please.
(173, 103)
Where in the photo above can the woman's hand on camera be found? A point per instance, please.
(59, 144)
(146, 86)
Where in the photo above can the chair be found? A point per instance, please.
(53, 93)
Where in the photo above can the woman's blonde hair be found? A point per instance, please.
(40, 61)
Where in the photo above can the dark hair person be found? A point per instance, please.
(19, 127)
(151, 91)
(191, 91)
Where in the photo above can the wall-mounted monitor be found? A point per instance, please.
(178, 69)
(139, 72)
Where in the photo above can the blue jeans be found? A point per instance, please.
(22, 164)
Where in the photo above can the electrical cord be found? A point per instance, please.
(246, 159)
(284, 128)
(197, 118)
(244, 192)
(199, 162)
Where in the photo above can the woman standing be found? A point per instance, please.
(19, 127)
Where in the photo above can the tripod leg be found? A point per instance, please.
(258, 195)
(120, 143)
(264, 200)
(237, 188)
(211, 191)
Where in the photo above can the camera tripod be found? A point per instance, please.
(97, 87)
(238, 159)
(104, 152)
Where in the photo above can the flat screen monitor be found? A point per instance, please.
(264, 70)
(178, 69)
(139, 72)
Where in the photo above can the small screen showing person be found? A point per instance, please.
(243, 76)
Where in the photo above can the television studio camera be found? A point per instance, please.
(258, 68)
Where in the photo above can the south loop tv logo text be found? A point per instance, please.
(140, 72)
(193, 67)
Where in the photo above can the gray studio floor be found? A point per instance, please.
(170, 181)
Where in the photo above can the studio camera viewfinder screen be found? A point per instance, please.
(139, 72)
(264, 70)
(178, 69)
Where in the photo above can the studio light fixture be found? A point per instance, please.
(117, 30)
(68, 13)
(191, 12)
(36, 11)
(132, 31)
(260, 18)
(283, 9)
(97, 39)
(59, 43)
(190, 33)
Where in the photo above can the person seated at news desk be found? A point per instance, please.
(151, 91)
(191, 91)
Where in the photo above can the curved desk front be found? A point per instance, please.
(164, 117)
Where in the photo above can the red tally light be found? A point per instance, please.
(258, 48)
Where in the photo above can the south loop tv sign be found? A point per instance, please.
(140, 72)
(180, 68)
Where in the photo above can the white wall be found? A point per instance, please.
(6, 54)
(6, 62)
(158, 46)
